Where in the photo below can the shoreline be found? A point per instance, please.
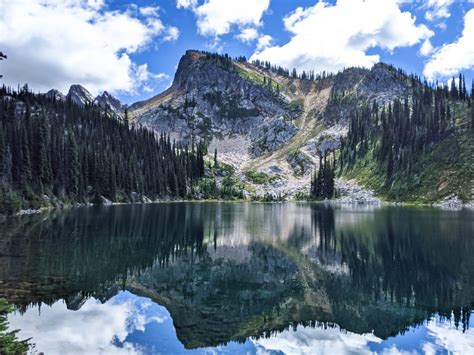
(448, 205)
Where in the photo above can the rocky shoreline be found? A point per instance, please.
(353, 195)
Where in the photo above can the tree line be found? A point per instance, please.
(322, 181)
(396, 134)
(57, 151)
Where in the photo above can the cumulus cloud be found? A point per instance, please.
(216, 17)
(55, 43)
(326, 341)
(438, 9)
(108, 325)
(149, 10)
(264, 42)
(453, 57)
(63, 331)
(426, 48)
(185, 4)
(143, 75)
(247, 35)
(172, 34)
(445, 336)
(331, 37)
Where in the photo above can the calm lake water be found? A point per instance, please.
(241, 278)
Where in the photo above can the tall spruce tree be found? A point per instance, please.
(82, 153)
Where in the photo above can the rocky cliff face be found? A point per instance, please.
(270, 118)
(79, 95)
(107, 101)
(210, 97)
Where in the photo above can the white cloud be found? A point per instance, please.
(331, 37)
(172, 34)
(264, 42)
(426, 48)
(185, 4)
(455, 56)
(54, 43)
(143, 75)
(438, 9)
(325, 340)
(247, 35)
(149, 10)
(63, 331)
(445, 336)
(215, 17)
(93, 329)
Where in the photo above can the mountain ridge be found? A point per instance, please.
(265, 121)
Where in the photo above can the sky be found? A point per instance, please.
(131, 48)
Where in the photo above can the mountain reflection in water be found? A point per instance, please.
(241, 278)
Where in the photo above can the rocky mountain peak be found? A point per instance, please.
(188, 63)
(56, 95)
(384, 83)
(107, 100)
(80, 95)
(212, 96)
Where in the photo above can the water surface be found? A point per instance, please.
(241, 278)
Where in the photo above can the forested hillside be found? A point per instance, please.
(278, 134)
(320, 135)
(54, 152)
(420, 148)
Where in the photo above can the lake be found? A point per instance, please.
(241, 278)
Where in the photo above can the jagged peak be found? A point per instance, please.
(106, 98)
(80, 95)
(56, 94)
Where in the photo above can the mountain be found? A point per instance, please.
(55, 95)
(272, 126)
(79, 95)
(269, 134)
(210, 98)
(106, 100)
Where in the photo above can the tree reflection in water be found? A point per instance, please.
(232, 271)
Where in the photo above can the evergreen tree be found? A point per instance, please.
(83, 153)
(73, 171)
(2, 57)
(322, 182)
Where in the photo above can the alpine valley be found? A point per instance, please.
(228, 128)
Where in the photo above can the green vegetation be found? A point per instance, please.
(219, 182)
(58, 152)
(418, 150)
(444, 171)
(261, 80)
(296, 105)
(260, 178)
(9, 343)
(268, 197)
(322, 182)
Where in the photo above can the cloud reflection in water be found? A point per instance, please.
(130, 324)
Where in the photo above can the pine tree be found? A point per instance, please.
(2, 57)
(73, 171)
(454, 90)
(83, 153)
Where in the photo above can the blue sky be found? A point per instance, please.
(131, 48)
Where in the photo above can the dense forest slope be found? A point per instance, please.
(54, 152)
(274, 126)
